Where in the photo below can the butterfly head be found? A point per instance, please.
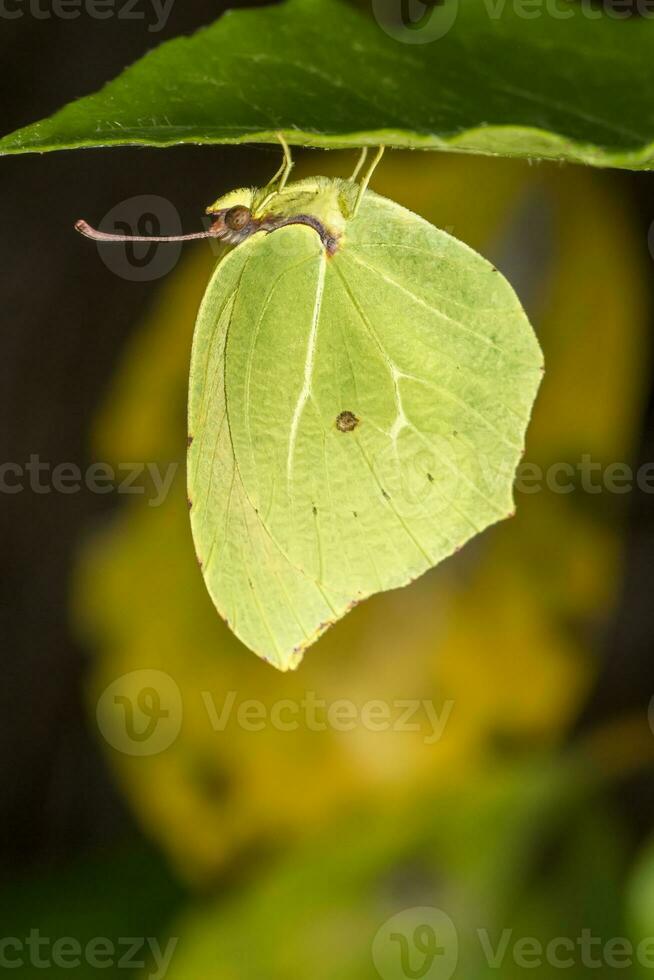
(233, 218)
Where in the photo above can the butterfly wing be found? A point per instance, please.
(376, 404)
(272, 606)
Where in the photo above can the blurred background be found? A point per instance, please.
(515, 804)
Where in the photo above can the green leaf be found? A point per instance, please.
(354, 418)
(563, 81)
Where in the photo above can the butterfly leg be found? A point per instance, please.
(284, 171)
(362, 159)
(363, 185)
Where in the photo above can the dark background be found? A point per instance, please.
(60, 342)
(65, 321)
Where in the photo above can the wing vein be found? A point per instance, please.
(255, 337)
(391, 364)
(431, 309)
(309, 362)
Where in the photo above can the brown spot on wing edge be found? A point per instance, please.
(301, 648)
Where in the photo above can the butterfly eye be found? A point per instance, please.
(238, 217)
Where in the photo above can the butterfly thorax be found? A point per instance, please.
(320, 203)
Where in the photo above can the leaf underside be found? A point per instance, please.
(353, 420)
(570, 83)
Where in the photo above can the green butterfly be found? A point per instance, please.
(360, 387)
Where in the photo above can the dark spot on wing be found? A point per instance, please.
(189, 502)
(346, 421)
(315, 509)
(430, 478)
(189, 441)
(385, 494)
